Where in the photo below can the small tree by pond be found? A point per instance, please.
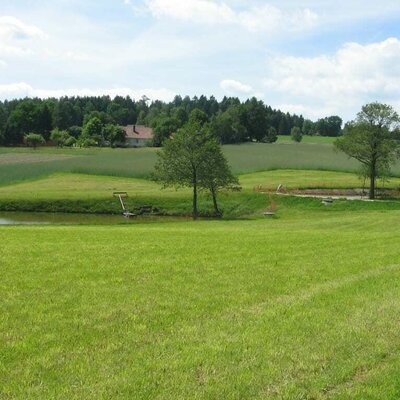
(371, 139)
(217, 175)
(193, 158)
(34, 140)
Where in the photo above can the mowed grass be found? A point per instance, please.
(304, 307)
(139, 163)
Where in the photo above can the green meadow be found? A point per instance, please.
(301, 305)
(305, 306)
(27, 164)
(308, 139)
(66, 192)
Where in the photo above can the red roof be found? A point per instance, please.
(138, 132)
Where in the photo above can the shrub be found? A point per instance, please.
(59, 137)
(85, 141)
(271, 136)
(296, 134)
(70, 141)
(34, 140)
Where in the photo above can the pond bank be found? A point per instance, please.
(35, 218)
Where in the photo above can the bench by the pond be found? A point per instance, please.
(327, 201)
(269, 213)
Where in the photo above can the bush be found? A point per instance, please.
(271, 136)
(296, 134)
(34, 140)
(85, 141)
(71, 141)
(59, 137)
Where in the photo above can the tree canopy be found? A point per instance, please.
(193, 158)
(371, 139)
(216, 174)
(232, 120)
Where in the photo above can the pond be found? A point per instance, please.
(28, 218)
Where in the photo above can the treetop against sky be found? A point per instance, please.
(308, 57)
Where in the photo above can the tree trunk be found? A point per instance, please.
(214, 197)
(195, 212)
(372, 178)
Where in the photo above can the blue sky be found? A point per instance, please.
(312, 57)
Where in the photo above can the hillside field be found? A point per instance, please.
(66, 192)
(26, 164)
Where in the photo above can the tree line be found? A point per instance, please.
(230, 120)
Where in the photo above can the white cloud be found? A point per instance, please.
(192, 10)
(340, 83)
(265, 18)
(12, 28)
(272, 19)
(235, 87)
(23, 89)
(16, 37)
(310, 111)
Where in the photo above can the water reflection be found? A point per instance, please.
(27, 218)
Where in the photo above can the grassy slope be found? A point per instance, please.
(297, 307)
(82, 193)
(63, 186)
(308, 139)
(139, 163)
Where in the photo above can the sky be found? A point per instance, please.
(311, 57)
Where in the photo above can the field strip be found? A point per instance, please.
(22, 158)
(361, 374)
(306, 295)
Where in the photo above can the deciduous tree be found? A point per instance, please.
(371, 140)
(187, 160)
(216, 174)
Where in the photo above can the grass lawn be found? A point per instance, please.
(305, 306)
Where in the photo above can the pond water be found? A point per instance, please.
(28, 218)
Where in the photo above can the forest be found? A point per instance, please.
(231, 120)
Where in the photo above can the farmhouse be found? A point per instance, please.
(138, 135)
